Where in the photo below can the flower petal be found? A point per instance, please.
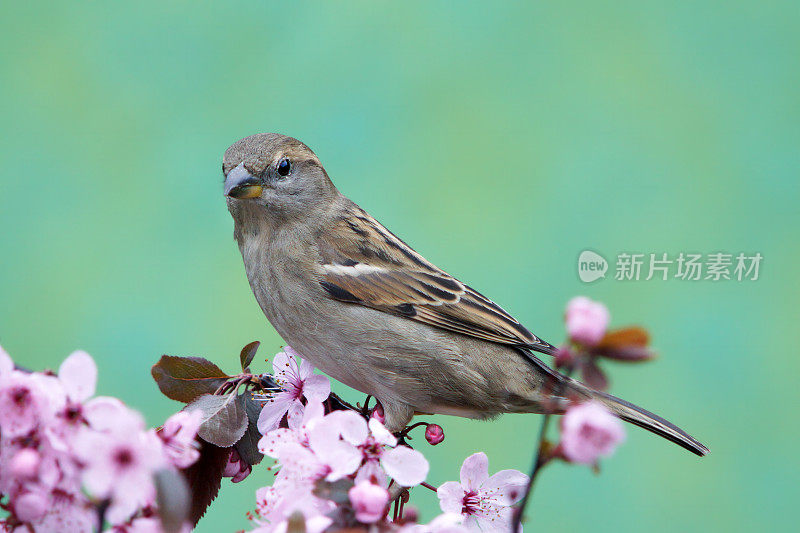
(406, 466)
(272, 443)
(372, 472)
(273, 411)
(78, 375)
(505, 487)
(380, 433)
(316, 388)
(474, 471)
(351, 426)
(105, 413)
(6, 364)
(451, 497)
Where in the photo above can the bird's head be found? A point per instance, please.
(270, 175)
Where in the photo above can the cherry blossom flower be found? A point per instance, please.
(120, 464)
(297, 379)
(484, 502)
(178, 437)
(299, 420)
(406, 466)
(586, 320)
(369, 501)
(23, 404)
(276, 503)
(588, 432)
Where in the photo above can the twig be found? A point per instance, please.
(538, 460)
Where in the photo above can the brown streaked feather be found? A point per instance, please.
(366, 264)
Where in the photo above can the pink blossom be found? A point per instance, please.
(25, 464)
(589, 431)
(376, 446)
(23, 404)
(434, 434)
(30, 506)
(586, 320)
(299, 420)
(178, 437)
(276, 503)
(484, 502)
(120, 465)
(297, 379)
(369, 501)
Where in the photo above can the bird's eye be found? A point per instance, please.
(284, 167)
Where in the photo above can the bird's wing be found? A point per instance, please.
(364, 263)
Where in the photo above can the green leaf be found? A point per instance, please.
(185, 378)
(224, 419)
(248, 352)
(248, 444)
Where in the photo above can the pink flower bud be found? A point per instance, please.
(588, 432)
(563, 357)
(377, 414)
(369, 501)
(25, 464)
(244, 471)
(434, 434)
(586, 320)
(232, 467)
(30, 506)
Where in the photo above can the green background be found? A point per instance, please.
(499, 139)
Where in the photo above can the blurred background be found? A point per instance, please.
(500, 140)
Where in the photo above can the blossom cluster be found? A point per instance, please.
(73, 462)
(70, 461)
(343, 469)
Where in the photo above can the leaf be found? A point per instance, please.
(224, 419)
(247, 354)
(185, 378)
(204, 478)
(626, 344)
(631, 336)
(248, 444)
(173, 499)
(593, 376)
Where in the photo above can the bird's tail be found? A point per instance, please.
(642, 418)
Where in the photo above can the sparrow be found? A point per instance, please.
(365, 308)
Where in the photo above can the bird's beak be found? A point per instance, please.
(241, 184)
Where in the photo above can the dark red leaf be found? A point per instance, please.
(593, 376)
(248, 444)
(205, 477)
(247, 354)
(224, 419)
(185, 378)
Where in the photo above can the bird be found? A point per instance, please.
(369, 311)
